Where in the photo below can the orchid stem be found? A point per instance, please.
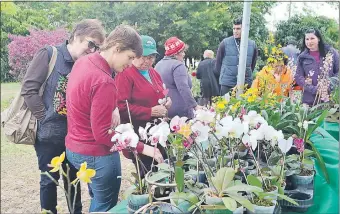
(128, 109)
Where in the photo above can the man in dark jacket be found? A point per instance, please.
(206, 72)
(227, 59)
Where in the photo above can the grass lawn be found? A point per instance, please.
(8, 91)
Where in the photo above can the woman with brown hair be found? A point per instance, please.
(85, 38)
(91, 108)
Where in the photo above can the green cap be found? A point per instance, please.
(149, 45)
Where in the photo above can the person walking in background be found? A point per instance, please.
(309, 64)
(291, 51)
(206, 72)
(142, 87)
(175, 76)
(85, 38)
(227, 59)
(92, 113)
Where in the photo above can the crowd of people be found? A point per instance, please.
(111, 80)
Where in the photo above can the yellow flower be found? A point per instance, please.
(56, 162)
(185, 130)
(85, 174)
(251, 99)
(236, 106)
(220, 106)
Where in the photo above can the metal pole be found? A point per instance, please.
(244, 47)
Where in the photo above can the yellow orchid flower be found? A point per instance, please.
(185, 130)
(85, 174)
(56, 162)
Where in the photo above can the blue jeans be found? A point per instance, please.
(105, 185)
(46, 151)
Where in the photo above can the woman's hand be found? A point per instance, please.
(308, 81)
(158, 111)
(168, 103)
(115, 120)
(153, 152)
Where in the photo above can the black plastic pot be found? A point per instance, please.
(303, 199)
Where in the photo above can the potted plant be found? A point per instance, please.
(223, 193)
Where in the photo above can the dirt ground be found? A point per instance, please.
(20, 175)
(20, 180)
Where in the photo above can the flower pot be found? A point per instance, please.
(182, 207)
(303, 199)
(262, 209)
(166, 208)
(299, 180)
(135, 202)
(202, 178)
(214, 201)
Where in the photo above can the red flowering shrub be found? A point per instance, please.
(22, 49)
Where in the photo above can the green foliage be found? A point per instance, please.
(296, 26)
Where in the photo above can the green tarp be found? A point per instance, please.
(332, 129)
(326, 196)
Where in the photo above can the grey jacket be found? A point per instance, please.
(52, 127)
(175, 77)
(292, 52)
(229, 69)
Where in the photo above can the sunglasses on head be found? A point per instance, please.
(91, 45)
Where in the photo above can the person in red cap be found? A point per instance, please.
(175, 76)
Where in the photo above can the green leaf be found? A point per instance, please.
(280, 189)
(223, 177)
(242, 187)
(243, 201)
(157, 176)
(191, 161)
(284, 197)
(308, 161)
(307, 153)
(320, 160)
(287, 115)
(264, 114)
(254, 181)
(284, 123)
(179, 177)
(292, 130)
(165, 167)
(229, 203)
(317, 124)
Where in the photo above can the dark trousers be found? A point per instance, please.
(225, 89)
(46, 151)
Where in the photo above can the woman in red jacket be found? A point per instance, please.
(91, 101)
(141, 86)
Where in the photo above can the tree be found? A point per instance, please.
(296, 26)
(23, 48)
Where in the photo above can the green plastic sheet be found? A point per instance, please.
(326, 196)
(332, 129)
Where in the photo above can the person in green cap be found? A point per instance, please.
(142, 87)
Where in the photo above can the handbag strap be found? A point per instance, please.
(51, 65)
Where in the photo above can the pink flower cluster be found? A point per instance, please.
(120, 145)
(22, 48)
(299, 143)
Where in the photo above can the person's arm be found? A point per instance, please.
(300, 79)
(253, 63)
(34, 78)
(219, 57)
(125, 87)
(181, 81)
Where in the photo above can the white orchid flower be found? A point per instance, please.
(130, 138)
(285, 145)
(143, 132)
(205, 116)
(249, 141)
(253, 118)
(235, 130)
(159, 134)
(258, 134)
(221, 131)
(269, 133)
(305, 124)
(201, 131)
(177, 122)
(299, 124)
(116, 138)
(226, 121)
(124, 128)
(277, 135)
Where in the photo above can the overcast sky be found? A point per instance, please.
(280, 12)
